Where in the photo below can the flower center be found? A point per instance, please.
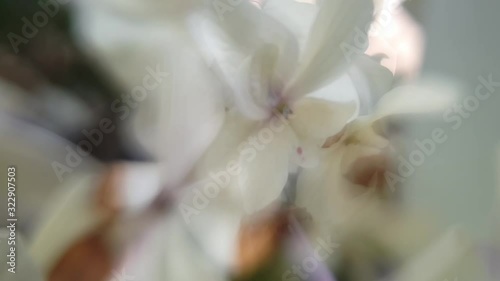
(283, 109)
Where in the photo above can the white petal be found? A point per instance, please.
(427, 96)
(319, 192)
(171, 252)
(225, 148)
(248, 29)
(297, 17)
(341, 90)
(230, 63)
(72, 215)
(44, 156)
(306, 153)
(371, 80)
(324, 56)
(263, 84)
(216, 223)
(327, 195)
(264, 175)
(140, 184)
(125, 47)
(167, 114)
(313, 121)
(362, 131)
(149, 9)
(355, 152)
(189, 117)
(364, 168)
(318, 119)
(233, 40)
(261, 150)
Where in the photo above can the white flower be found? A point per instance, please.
(269, 77)
(358, 158)
(174, 116)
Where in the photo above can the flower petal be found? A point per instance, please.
(341, 90)
(365, 166)
(338, 23)
(426, 96)
(230, 64)
(263, 83)
(265, 174)
(297, 17)
(371, 80)
(328, 195)
(318, 119)
(168, 115)
(314, 121)
(189, 118)
(213, 219)
(225, 148)
(320, 193)
(75, 210)
(306, 153)
(233, 40)
(362, 131)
